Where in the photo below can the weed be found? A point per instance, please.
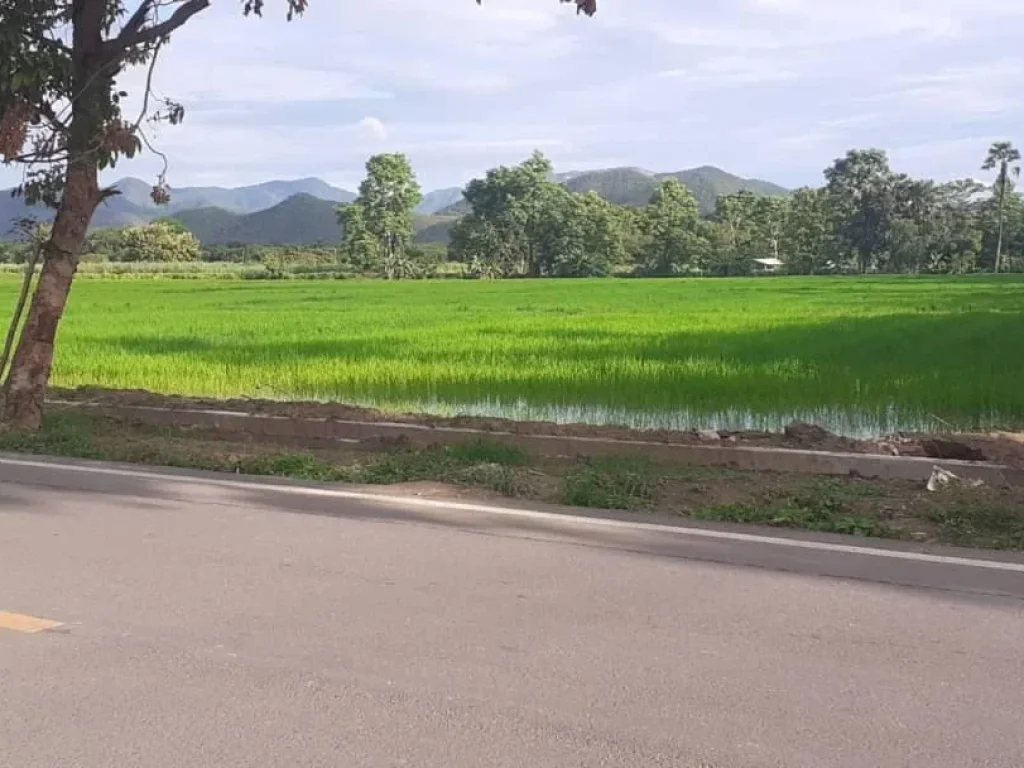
(980, 523)
(826, 506)
(481, 464)
(61, 435)
(488, 452)
(403, 467)
(495, 477)
(298, 465)
(611, 483)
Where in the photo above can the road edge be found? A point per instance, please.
(533, 512)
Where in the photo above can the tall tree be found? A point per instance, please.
(675, 235)
(735, 214)
(386, 204)
(957, 230)
(510, 216)
(863, 188)
(60, 115)
(1002, 155)
(808, 232)
(751, 227)
(1001, 222)
(359, 246)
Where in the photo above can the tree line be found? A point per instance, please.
(866, 217)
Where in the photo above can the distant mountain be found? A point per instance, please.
(303, 211)
(634, 186)
(134, 206)
(210, 225)
(258, 197)
(434, 229)
(709, 183)
(116, 211)
(456, 209)
(439, 199)
(623, 186)
(299, 220)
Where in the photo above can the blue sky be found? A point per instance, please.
(768, 88)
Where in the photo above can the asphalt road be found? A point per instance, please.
(205, 622)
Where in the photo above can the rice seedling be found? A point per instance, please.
(855, 354)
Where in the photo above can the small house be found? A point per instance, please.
(767, 266)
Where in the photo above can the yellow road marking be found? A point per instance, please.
(27, 624)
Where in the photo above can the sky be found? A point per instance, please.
(774, 89)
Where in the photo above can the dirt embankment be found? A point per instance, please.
(998, 448)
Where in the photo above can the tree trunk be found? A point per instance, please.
(29, 376)
(1002, 214)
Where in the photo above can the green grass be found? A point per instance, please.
(611, 483)
(854, 354)
(826, 506)
(970, 522)
(480, 464)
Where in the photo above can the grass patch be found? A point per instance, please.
(825, 506)
(803, 517)
(849, 353)
(979, 523)
(481, 464)
(301, 466)
(487, 452)
(611, 483)
(61, 435)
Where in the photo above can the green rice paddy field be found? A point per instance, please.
(856, 355)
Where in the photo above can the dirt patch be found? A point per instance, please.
(1005, 448)
(1000, 448)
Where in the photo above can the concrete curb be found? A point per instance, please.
(421, 436)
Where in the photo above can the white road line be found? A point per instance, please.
(526, 514)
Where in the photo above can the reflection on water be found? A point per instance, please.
(848, 423)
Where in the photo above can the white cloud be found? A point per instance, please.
(374, 128)
(731, 70)
(946, 159)
(788, 24)
(775, 88)
(964, 92)
(255, 83)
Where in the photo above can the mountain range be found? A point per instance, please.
(304, 211)
(634, 186)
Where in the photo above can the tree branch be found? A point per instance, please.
(149, 88)
(40, 157)
(138, 19)
(46, 110)
(588, 7)
(134, 34)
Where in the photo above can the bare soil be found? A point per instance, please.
(1004, 448)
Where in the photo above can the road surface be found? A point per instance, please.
(158, 619)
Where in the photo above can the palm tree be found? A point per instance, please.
(1002, 155)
